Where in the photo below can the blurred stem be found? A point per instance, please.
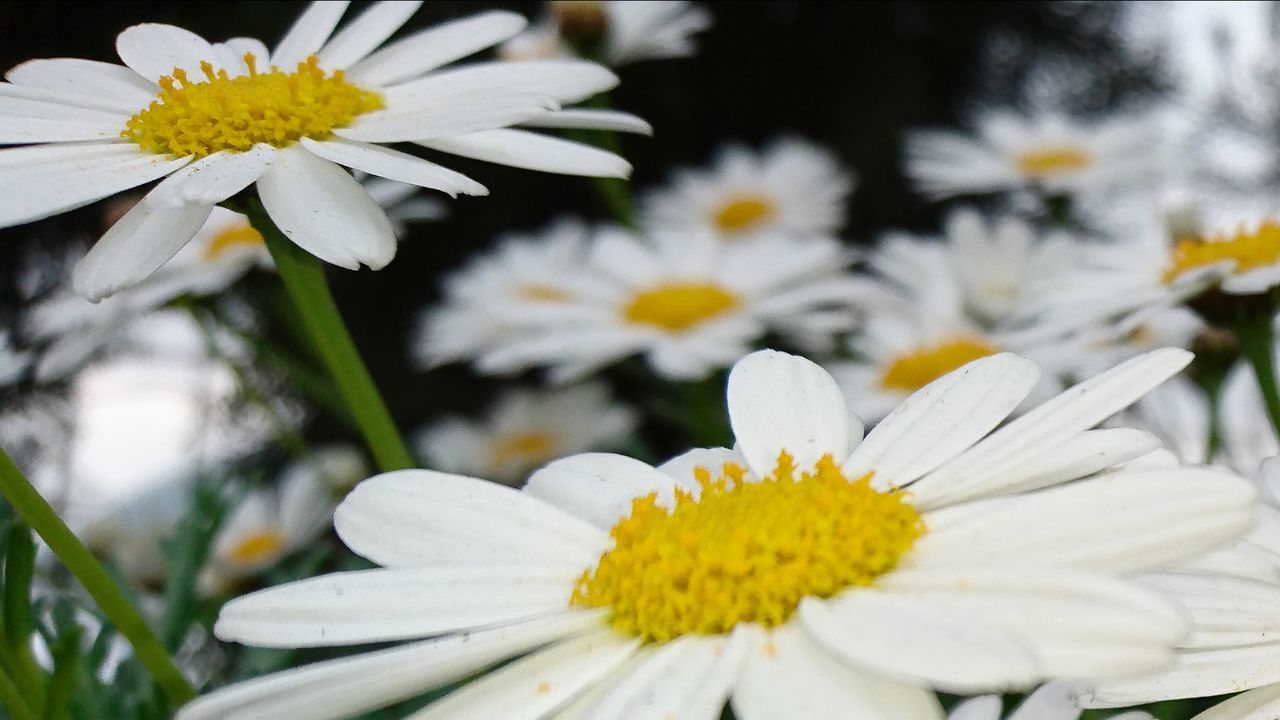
(190, 549)
(66, 656)
(11, 699)
(19, 569)
(615, 193)
(1257, 344)
(105, 592)
(303, 278)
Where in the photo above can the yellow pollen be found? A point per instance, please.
(743, 213)
(256, 547)
(202, 117)
(1249, 249)
(237, 236)
(913, 370)
(1052, 161)
(524, 449)
(543, 293)
(678, 306)
(746, 551)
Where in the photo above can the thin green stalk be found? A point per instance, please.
(303, 278)
(19, 569)
(1257, 344)
(11, 700)
(105, 592)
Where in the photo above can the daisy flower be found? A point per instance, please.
(792, 188)
(1049, 702)
(487, 301)
(689, 303)
(527, 429)
(614, 31)
(1044, 151)
(132, 532)
(212, 119)
(808, 573)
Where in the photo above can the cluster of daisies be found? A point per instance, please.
(751, 468)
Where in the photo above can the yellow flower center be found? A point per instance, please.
(746, 551)
(200, 118)
(523, 449)
(744, 213)
(256, 547)
(913, 370)
(1052, 161)
(679, 306)
(236, 236)
(1249, 249)
(543, 293)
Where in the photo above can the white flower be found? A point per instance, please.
(526, 429)
(793, 188)
(812, 574)
(619, 32)
(1046, 151)
(688, 302)
(319, 101)
(132, 532)
(1049, 702)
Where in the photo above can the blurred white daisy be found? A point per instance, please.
(1045, 151)
(809, 573)
(13, 362)
(689, 303)
(527, 429)
(792, 188)
(1049, 702)
(318, 102)
(488, 300)
(132, 532)
(613, 31)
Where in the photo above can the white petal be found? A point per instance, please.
(322, 209)
(985, 707)
(308, 33)
(436, 46)
(568, 81)
(535, 686)
(367, 606)
(598, 487)
(100, 84)
(1260, 704)
(154, 50)
(213, 178)
(136, 246)
(420, 517)
(349, 686)
(29, 128)
(943, 419)
(681, 468)
(694, 687)
(37, 182)
(1052, 701)
(1194, 674)
(592, 120)
(531, 151)
(364, 34)
(395, 165)
(787, 676)
(915, 642)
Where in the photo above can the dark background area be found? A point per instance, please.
(850, 76)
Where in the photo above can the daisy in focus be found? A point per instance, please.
(792, 188)
(1049, 702)
(211, 119)
(687, 302)
(611, 31)
(527, 429)
(810, 572)
(1043, 151)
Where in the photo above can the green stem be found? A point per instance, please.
(105, 592)
(11, 700)
(303, 278)
(1257, 344)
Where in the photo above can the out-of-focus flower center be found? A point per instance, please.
(679, 306)
(543, 293)
(523, 450)
(241, 235)
(913, 370)
(1052, 161)
(257, 547)
(746, 551)
(199, 118)
(1249, 249)
(743, 214)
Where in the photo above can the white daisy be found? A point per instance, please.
(319, 101)
(337, 468)
(1044, 150)
(527, 429)
(812, 574)
(688, 302)
(132, 532)
(792, 188)
(1049, 702)
(487, 301)
(617, 32)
